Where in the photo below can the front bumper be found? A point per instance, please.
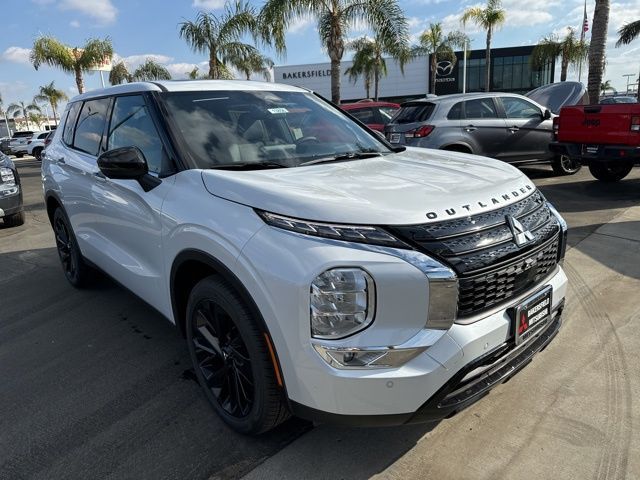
(10, 204)
(280, 287)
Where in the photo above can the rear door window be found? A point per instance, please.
(480, 108)
(414, 112)
(90, 126)
(69, 124)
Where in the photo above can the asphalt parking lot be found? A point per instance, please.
(96, 384)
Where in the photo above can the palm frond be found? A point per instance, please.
(119, 74)
(49, 51)
(94, 52)
(150, 70)
(628, 33)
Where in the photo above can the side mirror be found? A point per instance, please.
(127, 163)
(547, 114)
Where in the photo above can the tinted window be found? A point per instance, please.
(91, 126)
(456, 112)
(132, 126)
(43, 135)
(365, 115)
(518, 108)
(67, 133)
(414, 112)
(480, 108)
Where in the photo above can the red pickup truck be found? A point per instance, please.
(604, 137)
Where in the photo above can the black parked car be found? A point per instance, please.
(11, 208)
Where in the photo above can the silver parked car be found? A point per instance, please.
(505, 126)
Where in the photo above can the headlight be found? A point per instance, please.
(342, 303)
(6, 176)
(347, 233)
(382, 357)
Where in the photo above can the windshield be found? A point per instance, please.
(227, 128)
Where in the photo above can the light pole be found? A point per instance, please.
(628, 75)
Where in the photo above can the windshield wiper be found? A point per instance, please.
(344, 156)
(250, 166)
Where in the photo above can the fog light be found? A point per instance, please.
(342, 302)
(379, 357)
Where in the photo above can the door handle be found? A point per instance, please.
(469, 128)
(514, 129)
(60, 160)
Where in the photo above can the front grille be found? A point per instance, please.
(482, 251)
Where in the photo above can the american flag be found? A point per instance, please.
(585, 22)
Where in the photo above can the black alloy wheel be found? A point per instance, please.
(70, 256)
(37, 153)
(223, 359)
(563, 165)
(231, 358)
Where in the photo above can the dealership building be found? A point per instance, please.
(511, 71)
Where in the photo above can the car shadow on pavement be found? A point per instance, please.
(93, 386)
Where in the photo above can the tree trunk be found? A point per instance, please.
(55, 116)
(367, 86)
(376, 82)
(434, 70)
(597, 49)
(564, 68)
(26, 119)
(487, 87)
(79, 80)
(335, 81)
(213, 66)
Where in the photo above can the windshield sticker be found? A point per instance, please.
(277, 110)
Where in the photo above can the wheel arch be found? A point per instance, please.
(52, 201)
(458, 147)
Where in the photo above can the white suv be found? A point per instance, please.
(313, 268)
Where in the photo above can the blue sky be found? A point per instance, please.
(148, 28)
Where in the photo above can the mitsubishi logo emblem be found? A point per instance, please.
(521, 236)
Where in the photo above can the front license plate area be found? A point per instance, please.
(532, 314)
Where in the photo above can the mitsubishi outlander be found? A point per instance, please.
(313, 268)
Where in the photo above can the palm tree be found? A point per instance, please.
(489, 18)
(628, 33)
(37, 118)
(49, 93)
(440, 47)
(369, 60)
(254, 62)
(570, 50)
(76, 60)
(220, 36)
(119, 74)
(150, 70)
(364, 63)
(385, 18)
(597, 49)
(606, 86)
(18, 109)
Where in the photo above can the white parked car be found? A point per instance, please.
(313, 268)
(36, 145)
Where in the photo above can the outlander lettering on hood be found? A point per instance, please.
(479, 206)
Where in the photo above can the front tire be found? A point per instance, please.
(14, 220)
(563, 165)
(610, 172)
(231, 358)
(75, 269)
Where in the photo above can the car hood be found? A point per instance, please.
(554, 96)
(415, 186)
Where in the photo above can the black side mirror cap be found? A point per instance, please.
(127, 163)
(547, 114)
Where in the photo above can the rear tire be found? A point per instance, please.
(231, 358)
(75, 269)
(563, 165)
(19, 155)
(610, 172)
(14, 220)
(37, 152)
